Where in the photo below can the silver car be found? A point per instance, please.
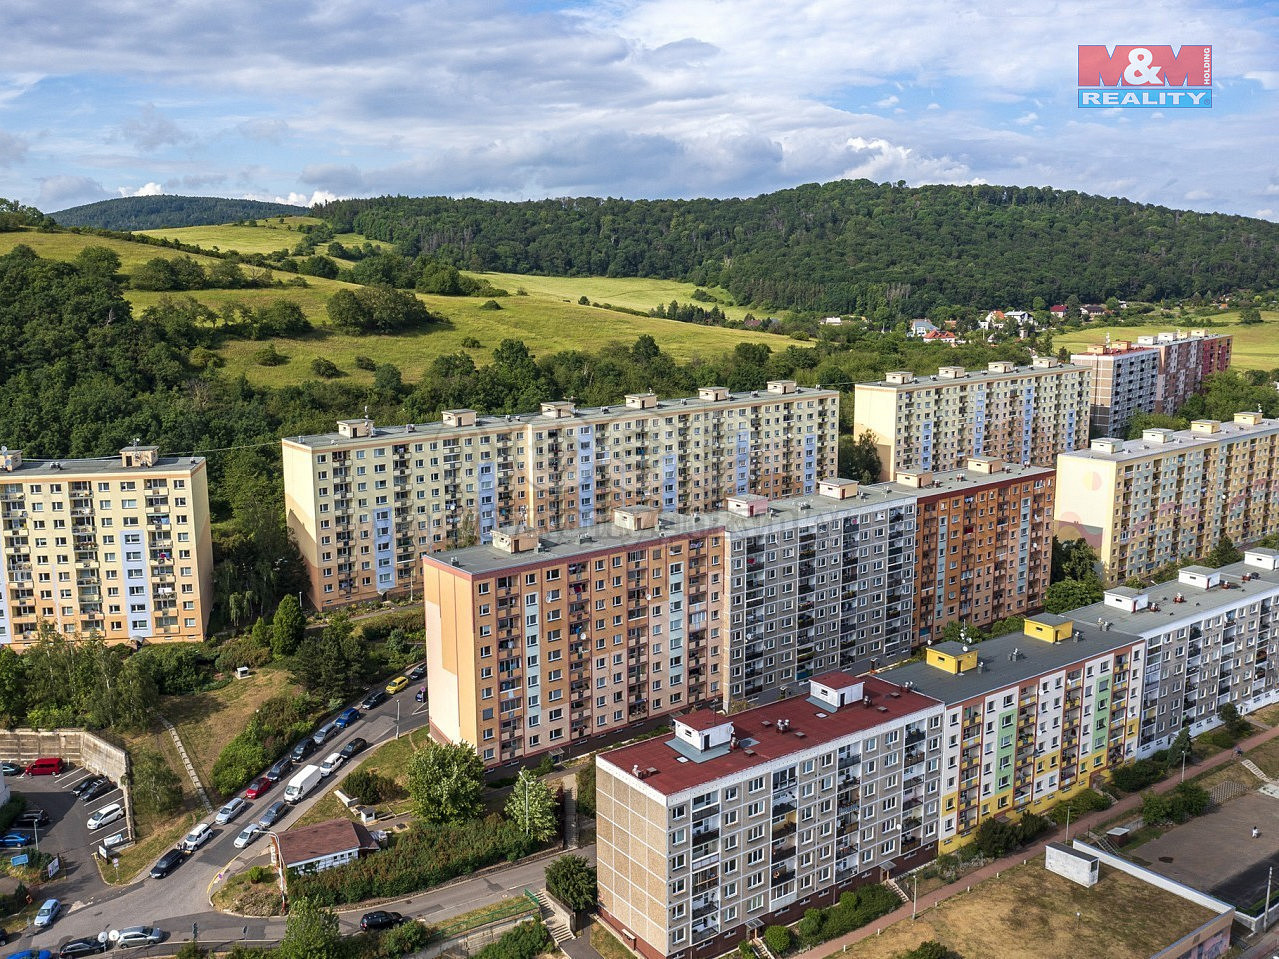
(138, 936)
(230, 811)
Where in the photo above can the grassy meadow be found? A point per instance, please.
(1255, 347)
(268, 236)
(547, 319)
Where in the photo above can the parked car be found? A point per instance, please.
(353, 747)
(32, 817)
(417, 672)
(197, 837)
(331, 762)
(106, 815)
(272, 813)
(278, 769)
(139, 936)
(14, 840)
(302, 749)
(380, 919)
(373, 699)
(346, 717)
(10, 768)
(48, 913)
(101, 786)
(232, 809)
(49, 766)
(247, 835)
(395, 685)
(84, 784)
(420, 696)
(81, 947)
(256, 788)
(325, 733)
(167, 863)
(31, 954)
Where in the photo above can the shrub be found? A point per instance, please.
(403, 939)
(157, 791)
(778, 939)
(525, 941)
(490, 305)
(269, 356)
(365, 363)
(1135, 777)
(471, 343)
(11, 810)
(854, 910)
(586, 789)
(932, 949)
(325, 368)
(572, 880)
(369, 787)
(272, 730)
(1084, 801)
(260, 874)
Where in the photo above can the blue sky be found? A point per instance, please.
(310, 99)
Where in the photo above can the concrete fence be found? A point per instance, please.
(73, 745)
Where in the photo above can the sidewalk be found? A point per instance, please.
(1077, 828)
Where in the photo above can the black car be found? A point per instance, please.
(81, 947)
(272, 813)
(103, 785)
(10, 769)
(417, 672)
(168, 862)
(381, 919)
(302, 749)
(32, 817)
(353, 747)
(277, 771)
(374, 698)
(84, 785)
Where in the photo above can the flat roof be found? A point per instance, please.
(810, 723)
(70, 468)
(616, 411)
(1181, 441)
(998, 670)
(975, 375)
(563, 545)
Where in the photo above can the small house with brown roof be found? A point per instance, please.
(322, 846)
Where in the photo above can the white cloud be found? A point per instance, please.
(61, 191)
(888, 101)
(1027, 118)
(147, 189)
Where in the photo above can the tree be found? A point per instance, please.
(1155, 808)
(310, 932)
(779, 939)
(585, 794)
(1180, 747)
(859, 458)
(1072, 594)
(1250, 316)
(446, 781)
(328, 663)
(157, 791)
(288, 627)
(1223, 554)
(531, 807)
(572, 880)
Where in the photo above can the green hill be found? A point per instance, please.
(847, 246)
(155, 212)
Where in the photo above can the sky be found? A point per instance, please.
(307, 100)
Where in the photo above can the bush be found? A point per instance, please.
(403, 939)
(369, 787)
(157, 790)
(1084, 801)
(1135, 777)
(490, 305)
(11, 810)
(325, 368)
(1222, 738)
(274, 727)
(778, 939)
(269, 356)
(471, 343)
(572, 880)
(365, 363)
(854, 910)
(424, 856)
(586, 790)
(260, 873)
(525, 941)
(932, 949)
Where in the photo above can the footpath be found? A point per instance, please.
(1078, 827)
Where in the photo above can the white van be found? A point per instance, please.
(301, 784)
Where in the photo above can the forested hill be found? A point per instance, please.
(158, 212)
(848, 246)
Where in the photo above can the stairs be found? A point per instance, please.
(901, 894)
(554, 920)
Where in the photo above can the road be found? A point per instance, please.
(174, 902)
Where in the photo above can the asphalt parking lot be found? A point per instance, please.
(67, 836)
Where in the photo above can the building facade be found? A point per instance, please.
(365, 502)
(114, 548)
(1125, 381)
(734, 822)
(1142, 504)
(1184, 360)
(1018, 414)
(984, 544)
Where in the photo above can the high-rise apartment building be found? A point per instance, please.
(117, 548)
(365, 502)
(736, 822)
(1018, 414)
(984, 543)
(1184, 360)
(1125, 381)
(1172, 494)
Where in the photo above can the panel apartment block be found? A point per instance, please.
(1031, 718)
(1125, 381)
(1184, 360)
(733, 822)
(543, 639)
(366, 501)
(984, 540)
(117, 548)
(1172, 494)
(1018, 414)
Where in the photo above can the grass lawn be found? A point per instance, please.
(246, 898)
(1266, 716)
(142, 854)
(208, 721)
(606, 944)
(1266, 756)
(389, 760)
(633, 293)
(1254, 347)
(1029, 913)
(505, 909)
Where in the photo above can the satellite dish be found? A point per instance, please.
(103, 937)
(114, 935)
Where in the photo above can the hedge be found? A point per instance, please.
(525, 941)
(424, 856)
(854, 910)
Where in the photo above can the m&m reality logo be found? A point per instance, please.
(1146, 76)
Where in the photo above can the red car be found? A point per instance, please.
(49, 766)
(257, 788)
